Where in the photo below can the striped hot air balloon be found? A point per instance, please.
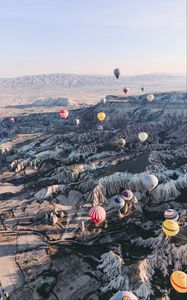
(97, 214)
(171, 214)
(178, 280)
(170, 228)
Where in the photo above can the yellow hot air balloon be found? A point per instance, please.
(101, 116)
(178, 280)
(143, 136)
(170, 228)
(150, 98)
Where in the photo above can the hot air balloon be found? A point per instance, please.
(124, 295)
(64, 113)
(97, 214)
(77, 122)
(126, 89)
(142, 89)
(101, 116)
(143, 136)
(100, 127)
(121, 142)
(150, 98)
(171, 228)
(150, 182)
(118, 202)
(178, 281)
(117, 72)
(127, 195)
(171, 214)
(103, 101)
(12, 120)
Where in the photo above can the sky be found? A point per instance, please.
(92, 36)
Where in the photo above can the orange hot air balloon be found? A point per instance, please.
(126, 89)
(178, 280)
(97, 214)
(64, 113)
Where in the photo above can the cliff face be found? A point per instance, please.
(52, 172)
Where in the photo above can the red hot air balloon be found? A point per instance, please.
(64, 113)
(97, 214)
(126, 89)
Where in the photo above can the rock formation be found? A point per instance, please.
(53, 172)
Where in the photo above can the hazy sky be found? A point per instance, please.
(92, 36)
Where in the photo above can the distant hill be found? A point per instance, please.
(44, 102)
(85, 88)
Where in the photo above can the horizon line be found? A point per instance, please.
(96, 74)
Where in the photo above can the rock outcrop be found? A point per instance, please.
(53, 172)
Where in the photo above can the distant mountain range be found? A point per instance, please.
(85, 88)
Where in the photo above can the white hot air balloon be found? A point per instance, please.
(150, 182)
(124, 295)
(118, 202)
(121, 142)
(103, 101)
(100, 127)
(143, 136)
(77, 122)
(150, 98)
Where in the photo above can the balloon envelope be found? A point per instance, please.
(118, 202)
(77, 122)
(150, 98)
(97, 214)
(101, 116)
(126, 89)
(170, 228)
(124, 295)
(178, 281)
(127, 195)
(103, 101)
(143, 136)
(150, 182)
(117, 72)
(64, 113)
(122, 142)
(100, 127)
(12, 120)
(171, 214)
